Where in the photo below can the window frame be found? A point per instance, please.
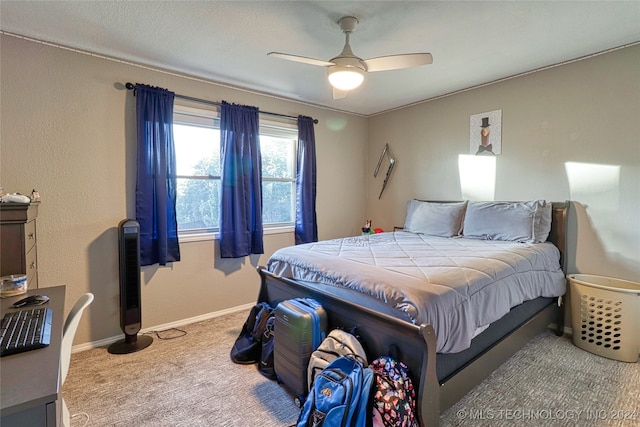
(276, 128)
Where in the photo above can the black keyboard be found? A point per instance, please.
(25, 330)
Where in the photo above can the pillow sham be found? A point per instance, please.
(542, 227)
(435, 219)
(528, 222)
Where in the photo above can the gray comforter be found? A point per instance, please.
(455, 284)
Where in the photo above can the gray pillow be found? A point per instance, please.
(542, 226)
(436, 219)
(513, 221)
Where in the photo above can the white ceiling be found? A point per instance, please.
(472, 42)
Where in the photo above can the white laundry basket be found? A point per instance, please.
(605, 316)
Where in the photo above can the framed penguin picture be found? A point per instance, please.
(485, 133)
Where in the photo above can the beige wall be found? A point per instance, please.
(586, 112)
(67, 130)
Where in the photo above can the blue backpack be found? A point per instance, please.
(339, 396)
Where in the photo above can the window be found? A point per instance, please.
(197, 145)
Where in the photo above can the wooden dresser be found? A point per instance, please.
(18, 241)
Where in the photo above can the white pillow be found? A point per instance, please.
(514, 221)
(436, 219)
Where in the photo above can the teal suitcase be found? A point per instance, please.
(300, 326)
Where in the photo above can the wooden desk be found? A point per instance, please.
(30, 381)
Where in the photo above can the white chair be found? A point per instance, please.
(68, 332)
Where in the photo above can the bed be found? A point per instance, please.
(449, 344)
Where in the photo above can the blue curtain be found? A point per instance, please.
(306, 223)
(156, 176)
(241, 199)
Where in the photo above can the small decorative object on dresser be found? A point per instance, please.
(18, 245)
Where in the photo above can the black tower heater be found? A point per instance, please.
(130, 311)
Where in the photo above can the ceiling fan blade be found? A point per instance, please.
(396, 62)
(302, 59)
(339, 94)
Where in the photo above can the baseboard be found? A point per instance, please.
(206, 316)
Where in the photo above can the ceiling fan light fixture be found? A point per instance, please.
(345, 77)
(347, 71)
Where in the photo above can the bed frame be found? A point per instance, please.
(416, 344)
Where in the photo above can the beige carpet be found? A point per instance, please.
(190, 381)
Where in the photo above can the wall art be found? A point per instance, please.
(485, 130)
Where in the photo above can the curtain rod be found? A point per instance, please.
(131, 86)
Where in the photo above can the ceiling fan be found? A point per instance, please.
(347, 71)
